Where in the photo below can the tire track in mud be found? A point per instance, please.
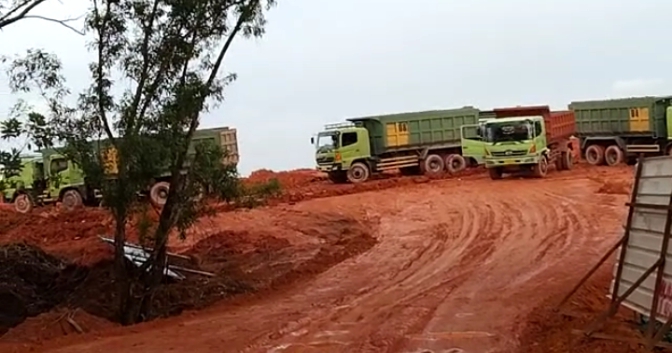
(547, 226)
(456, 264)
(484, 224)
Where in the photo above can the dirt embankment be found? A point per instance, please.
(306, 184)
(71, 276)
(549, 331)
(468, 265)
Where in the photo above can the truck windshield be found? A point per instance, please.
(327, 141)
(508, 131)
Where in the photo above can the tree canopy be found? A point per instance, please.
(173, 52)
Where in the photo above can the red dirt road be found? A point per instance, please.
(458, 267)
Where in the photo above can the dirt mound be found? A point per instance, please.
(549, 331)
(288, 179)
(43, 290)
(52, 228)
(54, 324)
(262, 260)
(616, 187)
(32, 282)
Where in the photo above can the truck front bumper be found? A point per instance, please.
(491, 162)
(329, 167)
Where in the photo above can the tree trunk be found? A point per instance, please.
(122, 276)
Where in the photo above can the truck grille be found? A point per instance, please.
(324, 160)
(509, 153)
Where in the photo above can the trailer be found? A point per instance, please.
(427, 142)
(614, 130)
(527, 139)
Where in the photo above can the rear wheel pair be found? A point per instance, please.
(565, 161)
(435, 165)
(598, 155)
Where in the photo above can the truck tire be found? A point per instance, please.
(358, 173)
(540, 169)
(568, 160)
(158, 194)
(595, 155)
(495, 173)
(338, 177)
(613, 155)
(433, 165)
(23, 204)
(72, 200)
(560, 162)
(455, 163)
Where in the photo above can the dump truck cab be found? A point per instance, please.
(339, 145)
(514, 141)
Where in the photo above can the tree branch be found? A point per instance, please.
(148, 29)
(20, 12)
(7, 18)
(99, 72)
(63, 23)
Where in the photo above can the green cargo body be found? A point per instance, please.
(642, 116)
(407, 131)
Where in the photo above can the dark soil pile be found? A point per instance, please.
(32, 282)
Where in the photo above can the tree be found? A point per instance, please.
(12, 11)
(173, 52)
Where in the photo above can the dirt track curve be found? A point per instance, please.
(458, 266)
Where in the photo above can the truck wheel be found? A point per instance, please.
(23, 204)
(540, 169)
(358, 173)
(560, 162)
(568, 160)
(613, 155)
(595, 155)
(455, 163)
(72, 200)
(433, 165)
(495, 173)
(338, 177)
(158, 194)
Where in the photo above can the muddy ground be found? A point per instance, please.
(399, 265)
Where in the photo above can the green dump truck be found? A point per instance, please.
(526, 139)
(55, 178)
(428, 142)
(610, 131)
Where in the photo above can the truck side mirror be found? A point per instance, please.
(312, 140)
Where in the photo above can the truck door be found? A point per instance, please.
(472, 142)
(58, 175)
(353, 145)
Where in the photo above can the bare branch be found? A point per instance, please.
(17, 13)
(63, 23)
(21, 11)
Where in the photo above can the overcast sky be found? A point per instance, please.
(324, 61)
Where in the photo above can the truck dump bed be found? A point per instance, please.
(625, 116)
(560, 125)
(225, 137)
(417, 129)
